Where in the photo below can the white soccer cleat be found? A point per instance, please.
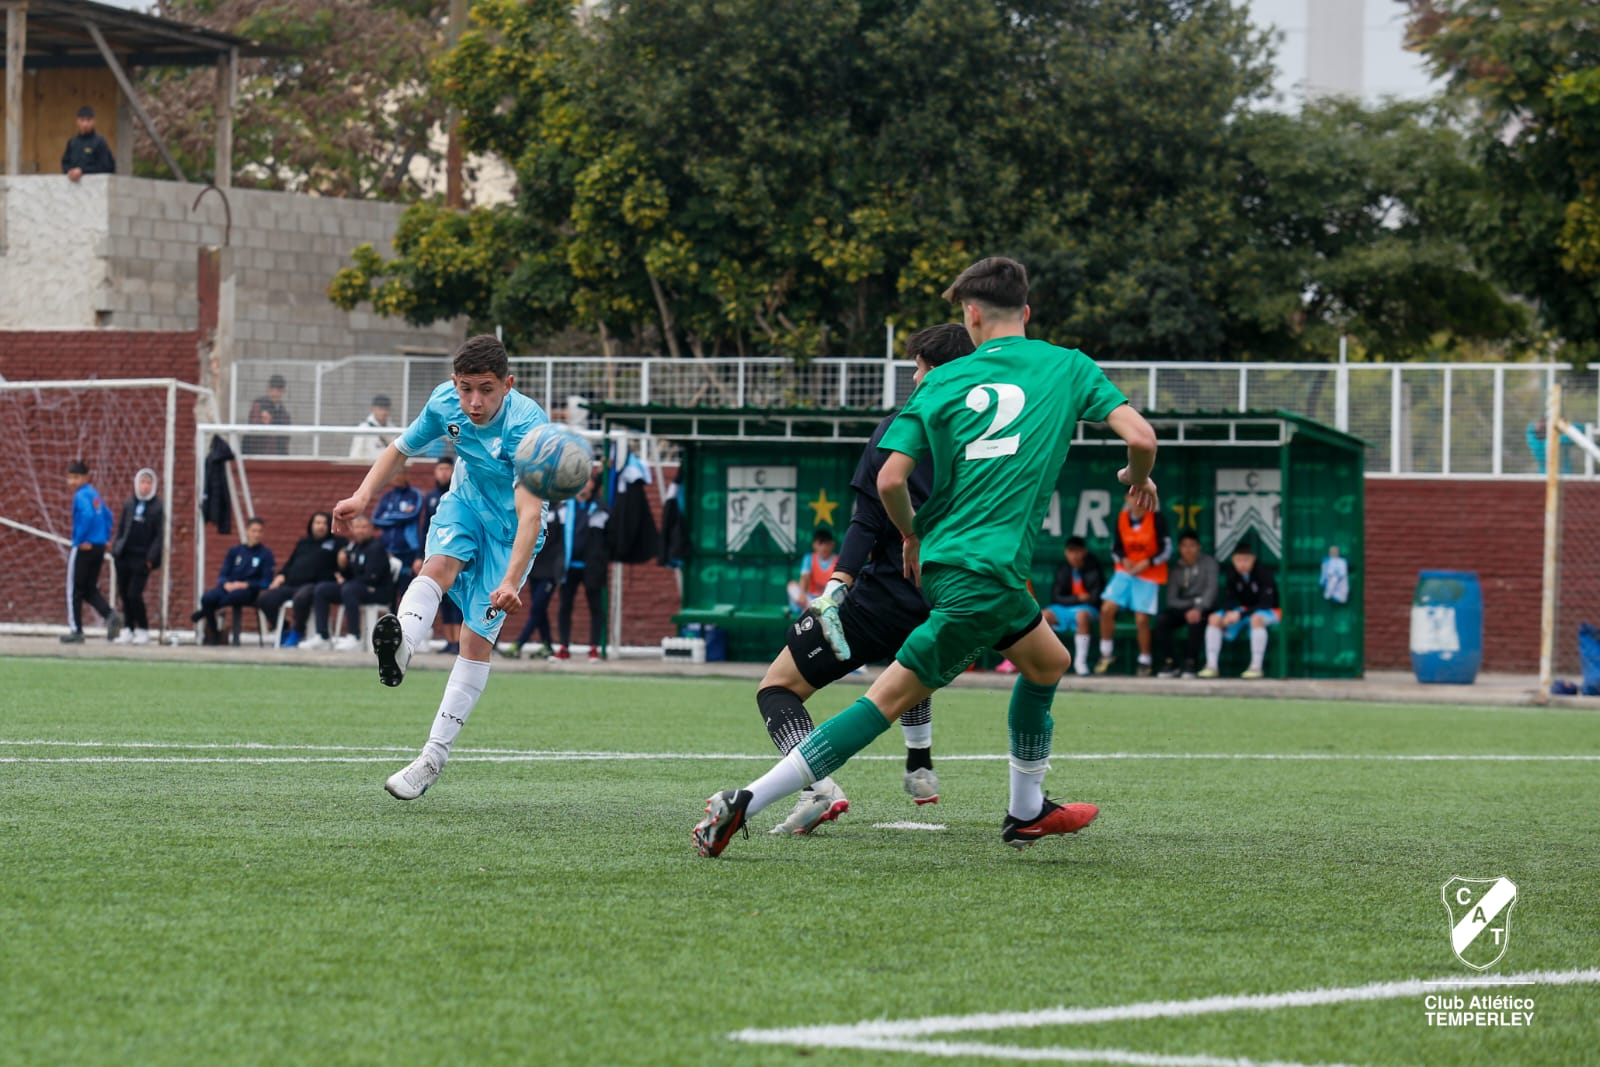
(314, 643)
(815, 807)
(413, 780)
(140, 637)
(346, 643)
(923, 785)
(123, 638)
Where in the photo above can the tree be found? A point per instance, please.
(345, 111)
(1530, 71)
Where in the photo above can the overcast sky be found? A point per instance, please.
(1389, 68)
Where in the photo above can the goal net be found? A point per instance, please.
(114, 426)
(1571, 585)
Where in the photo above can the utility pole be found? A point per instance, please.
(454, 192)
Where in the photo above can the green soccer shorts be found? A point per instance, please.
(971, 613)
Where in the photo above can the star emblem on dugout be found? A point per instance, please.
(822, 508)
(1480, 918)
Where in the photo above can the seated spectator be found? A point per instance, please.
(370, 446)
(584, 522)
(246, 571)
(1191, 598)
(397, 520)
(315, 559)
(1251, 599)
(364, 566)
(1140, 548)
(815, 570)
(1075, 599)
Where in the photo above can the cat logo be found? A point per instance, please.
(454, 430)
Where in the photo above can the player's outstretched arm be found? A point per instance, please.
(383, 468)
(530, 515)
(1133, 428)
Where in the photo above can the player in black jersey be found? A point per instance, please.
(864, 616)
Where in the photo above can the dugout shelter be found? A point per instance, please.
(756, 483)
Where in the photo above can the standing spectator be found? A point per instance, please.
(268, 410)
(815, 570)
(91, 529)
(367, 580)
(87, 152)
(246, 570)
(397, 519)
(137, 552)
(584, 534)
(1140, 548)
(1251, 597)
(1075, 599)
(315, 559)
(548, 573)
(449, 618)
(371, 445)
(1191, 598)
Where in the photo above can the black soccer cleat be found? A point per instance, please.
(725, 814)
(387, 641)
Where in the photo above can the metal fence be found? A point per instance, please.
(1454, 419)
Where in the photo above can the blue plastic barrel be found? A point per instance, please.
(716, 639)
(1447, 628)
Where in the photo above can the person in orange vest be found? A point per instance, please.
(1140, 548)
(815, 570)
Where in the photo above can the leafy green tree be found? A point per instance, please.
(1530, 70)
(347, 110)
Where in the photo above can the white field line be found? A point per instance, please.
(516, 755)
(866, 1034)
(904, 825)
(980, 1050)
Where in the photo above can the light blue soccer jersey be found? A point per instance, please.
(477, 519)
(486, 452)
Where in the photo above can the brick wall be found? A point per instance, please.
(1492, 527)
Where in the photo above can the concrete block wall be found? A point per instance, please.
(120, 252)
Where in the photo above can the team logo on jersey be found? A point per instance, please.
(807, 623)
(494, 448)
(454, 430)
(491, 615)
(1480, 918)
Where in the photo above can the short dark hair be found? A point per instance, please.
(821, 533)
(1077, 542)
(275, 382)
(255, 520)
(381, 401)
(78, 466)
(86, 112)
(483, 354)
(447, 460)
(938, 345)
(1189, 535)
(995, 282)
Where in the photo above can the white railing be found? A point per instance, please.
(1456, 419)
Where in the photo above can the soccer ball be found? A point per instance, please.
(553, 463)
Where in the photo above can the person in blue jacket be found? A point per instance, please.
(91, 530)
(246, 570)
(397, 521)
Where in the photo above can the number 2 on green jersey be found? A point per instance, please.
(1008, 402)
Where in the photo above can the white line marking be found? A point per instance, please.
(909, 826)
(580, 755)
(981, 1050)
(852, 1035)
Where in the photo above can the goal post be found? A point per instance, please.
(1570, 585)
(116, 426)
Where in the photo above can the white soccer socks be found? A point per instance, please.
(1080, 653)
(790, 775)
(1213, 647)
(467, 680)
(1027, 788)
(1258, 647)
(417, 610)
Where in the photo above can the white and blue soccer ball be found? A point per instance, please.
(553, 463)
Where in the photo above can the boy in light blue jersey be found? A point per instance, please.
(481, 542)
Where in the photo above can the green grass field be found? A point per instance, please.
(220, 878)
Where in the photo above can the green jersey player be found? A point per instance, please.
(997, 425)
